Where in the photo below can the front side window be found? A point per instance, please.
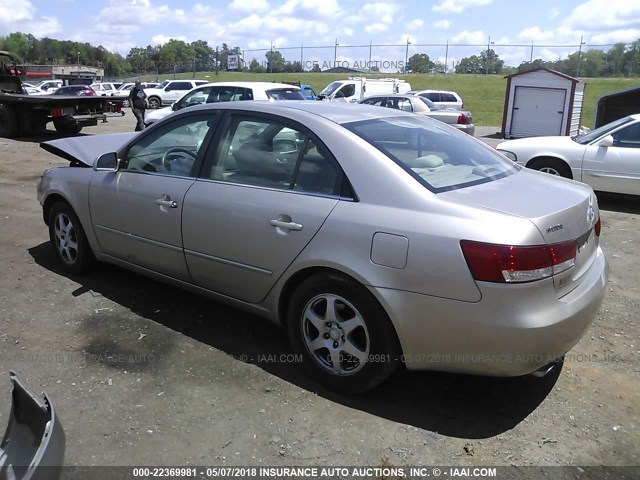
(172, 149)
(181, 86)
(438, 157)
(267, 153)
(628, 137)
(196, 97)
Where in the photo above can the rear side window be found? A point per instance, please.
(433, 96)
(267, 153)
(448, 97)
(437, 156)
(285, 94)
(181, 86)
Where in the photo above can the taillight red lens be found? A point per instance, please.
(463, 119)
(490, 262)
(597, 227)
(56, 112)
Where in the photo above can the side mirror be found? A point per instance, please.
(108, 162)
(174, 106)
(167, 88)
(606, 142)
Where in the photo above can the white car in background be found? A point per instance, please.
(442, 98)
(607, 158)
(47, 87)
(125, 89)
(105, 88)
(169, 91)
(228, 92)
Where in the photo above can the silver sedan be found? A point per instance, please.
(413, 102)
(374, 237)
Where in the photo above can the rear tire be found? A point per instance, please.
(343, 333)
(69, 240)
(8, 122)
(552, 166)
(67, 128)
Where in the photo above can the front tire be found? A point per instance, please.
(8, 122)
(69, 240)
(154, 102)
(552, 166)
(343, 334)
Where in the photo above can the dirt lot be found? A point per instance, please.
(141, 373)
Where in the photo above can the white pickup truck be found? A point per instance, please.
(355, 89)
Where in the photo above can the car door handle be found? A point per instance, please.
(286, 225)
(165, 201)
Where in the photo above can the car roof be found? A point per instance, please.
(337, 112)
(427, 90)
(264, 85)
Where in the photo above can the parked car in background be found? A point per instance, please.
(607, 158)
(76, 90)
(423, 106)
(49, 86)
(355, 89)
(105, 88)
(229, 92)
(32, 90)
(441, 98)
(373, 236)
(308, 92)
(169, 91)
(123, 91)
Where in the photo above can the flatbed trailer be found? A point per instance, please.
(22, 114)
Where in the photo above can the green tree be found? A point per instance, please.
(419, 63)
(275, 62)
(204, 55)
(491, 61)
(255, 67)
(472, 64)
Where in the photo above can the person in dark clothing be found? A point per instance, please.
(139, 103)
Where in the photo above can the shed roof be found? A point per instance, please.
(554, 72)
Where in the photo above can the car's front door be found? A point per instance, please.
(265, 192)
(137, 210)
(615, 168)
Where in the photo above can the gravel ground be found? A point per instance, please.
(141, 373)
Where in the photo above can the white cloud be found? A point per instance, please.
(415, 24)
(475, 37)
(249, 5)
(442, 24)
(553, 13)
(20, 15)
(600, 14)
(307, 9)
(379, 12)
(376, 28)
(617, 36)
(161, 39)
(458, 6)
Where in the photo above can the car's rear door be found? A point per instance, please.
(266, 190)
(137, 211)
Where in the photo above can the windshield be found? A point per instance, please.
(600, 131)
(329, 89)
(437, 156)
(285, 94)
(429, 103)
(163, 84)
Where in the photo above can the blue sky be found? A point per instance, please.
(554, 27)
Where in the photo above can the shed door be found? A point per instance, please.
(537, 111)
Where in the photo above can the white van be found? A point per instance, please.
(49, 86)
(355, 89)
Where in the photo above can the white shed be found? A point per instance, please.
(542, 102)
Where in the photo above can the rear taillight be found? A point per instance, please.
(489, 262)
(597, 227)
(56, 112)
(463, 119)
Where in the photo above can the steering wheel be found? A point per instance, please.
(168, 153)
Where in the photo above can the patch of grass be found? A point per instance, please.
(483, 95)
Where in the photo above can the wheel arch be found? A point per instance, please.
(300, 276)
(552, 158)
(52, 199)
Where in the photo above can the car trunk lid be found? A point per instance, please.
(561, 210)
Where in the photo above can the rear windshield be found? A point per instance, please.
(285, 94)
(436, 155)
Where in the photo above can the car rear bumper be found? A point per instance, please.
(466, 128)
(513, 330)
(34, 443)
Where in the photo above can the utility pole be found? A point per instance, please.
(579, 57)
(78, 67)
(370, 45)
(335, 53)
(271, 59)
(446, 57)
(406, 56)
(531, 56)
(489, 42)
